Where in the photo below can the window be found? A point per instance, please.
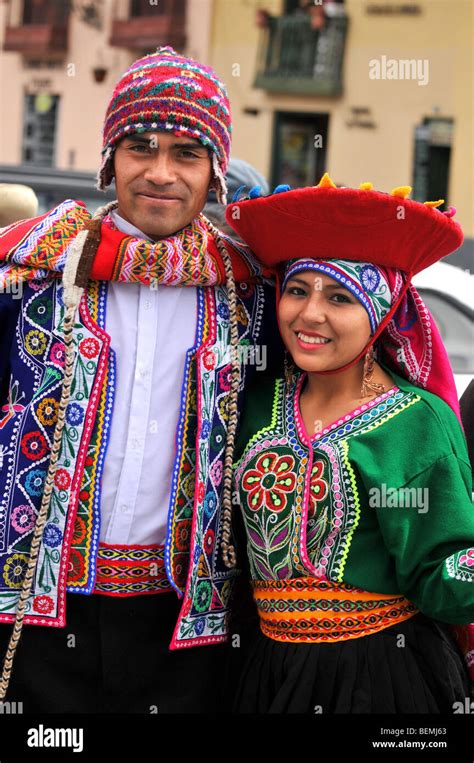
(39, 129)
(432, 158)
(44, 11)
(299, 155)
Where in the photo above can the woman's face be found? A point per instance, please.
(322, 324)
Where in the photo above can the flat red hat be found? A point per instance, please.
(326, 222)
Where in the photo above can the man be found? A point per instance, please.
(120, 393)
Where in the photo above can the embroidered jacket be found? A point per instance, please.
(31, 374)
(379, 500)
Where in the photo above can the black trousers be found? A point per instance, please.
(113, 656)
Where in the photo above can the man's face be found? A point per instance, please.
(162, 181)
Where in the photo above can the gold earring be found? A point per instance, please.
(369, 386)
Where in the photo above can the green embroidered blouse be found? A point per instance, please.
(380, 499)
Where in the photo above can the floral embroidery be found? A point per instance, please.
(34, 482)
(34, 446)
(62, 479)
(47, 411)
(182, 536)
(52, 536)
(270, 481)
(209, 360)
(35, 342)
(216, 472)
(79, 531)
(74, 414)
(203, 596)
(76, 565)
(318, 487)
(23, 518)
(89, 347)
(15, 570)
(209, 541)
(225, 378)
(43, 604)
(40, 311)
(58, 354)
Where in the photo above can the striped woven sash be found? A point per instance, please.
(312, 610)
(131, 570)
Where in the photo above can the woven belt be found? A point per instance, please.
(312, 610)
(131, 570)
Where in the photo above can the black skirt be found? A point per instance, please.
(423, 672)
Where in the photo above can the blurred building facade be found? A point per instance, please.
(369, 91)
(306, 99)
(59, 62)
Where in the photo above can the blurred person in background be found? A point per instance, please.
(17, 202)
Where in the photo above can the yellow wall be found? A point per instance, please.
(442, 33)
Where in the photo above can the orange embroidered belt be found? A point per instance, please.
(131, 570)
(312, 610)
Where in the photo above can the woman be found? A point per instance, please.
(352, 471)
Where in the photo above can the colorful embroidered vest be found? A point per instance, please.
(69, 548)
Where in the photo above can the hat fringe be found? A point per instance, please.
(104, 176)
(221, 189)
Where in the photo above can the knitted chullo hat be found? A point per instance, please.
(166, 91)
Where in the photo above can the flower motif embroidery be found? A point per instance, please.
(205, 429)
(41, 310)
(62, 479)
(80, 530)
(89, 347)
(43, 604)
(35, 342)
(52, 536)
(216, 473)
(23, 518)
(34, 482)
(210, 504)
(74, 414)
(182, 535)
(369, 277)
(203, 596)
(209, 542)
(318, 487)
(242, 316)
(223, 406)
(58, 354)
(47, 411)
(223, 310)
(209, 360)
(224, 378)
(15, 570)
(245, 290)
(76, 566)
(269, 483)
(34, 446)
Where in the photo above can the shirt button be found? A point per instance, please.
(147, 304)
(124, 507)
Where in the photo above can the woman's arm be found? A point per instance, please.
(432, 540)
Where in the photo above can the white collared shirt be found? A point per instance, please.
(151, 329)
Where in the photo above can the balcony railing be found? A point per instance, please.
(42, 29)
(166, 26)
(294, 58)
